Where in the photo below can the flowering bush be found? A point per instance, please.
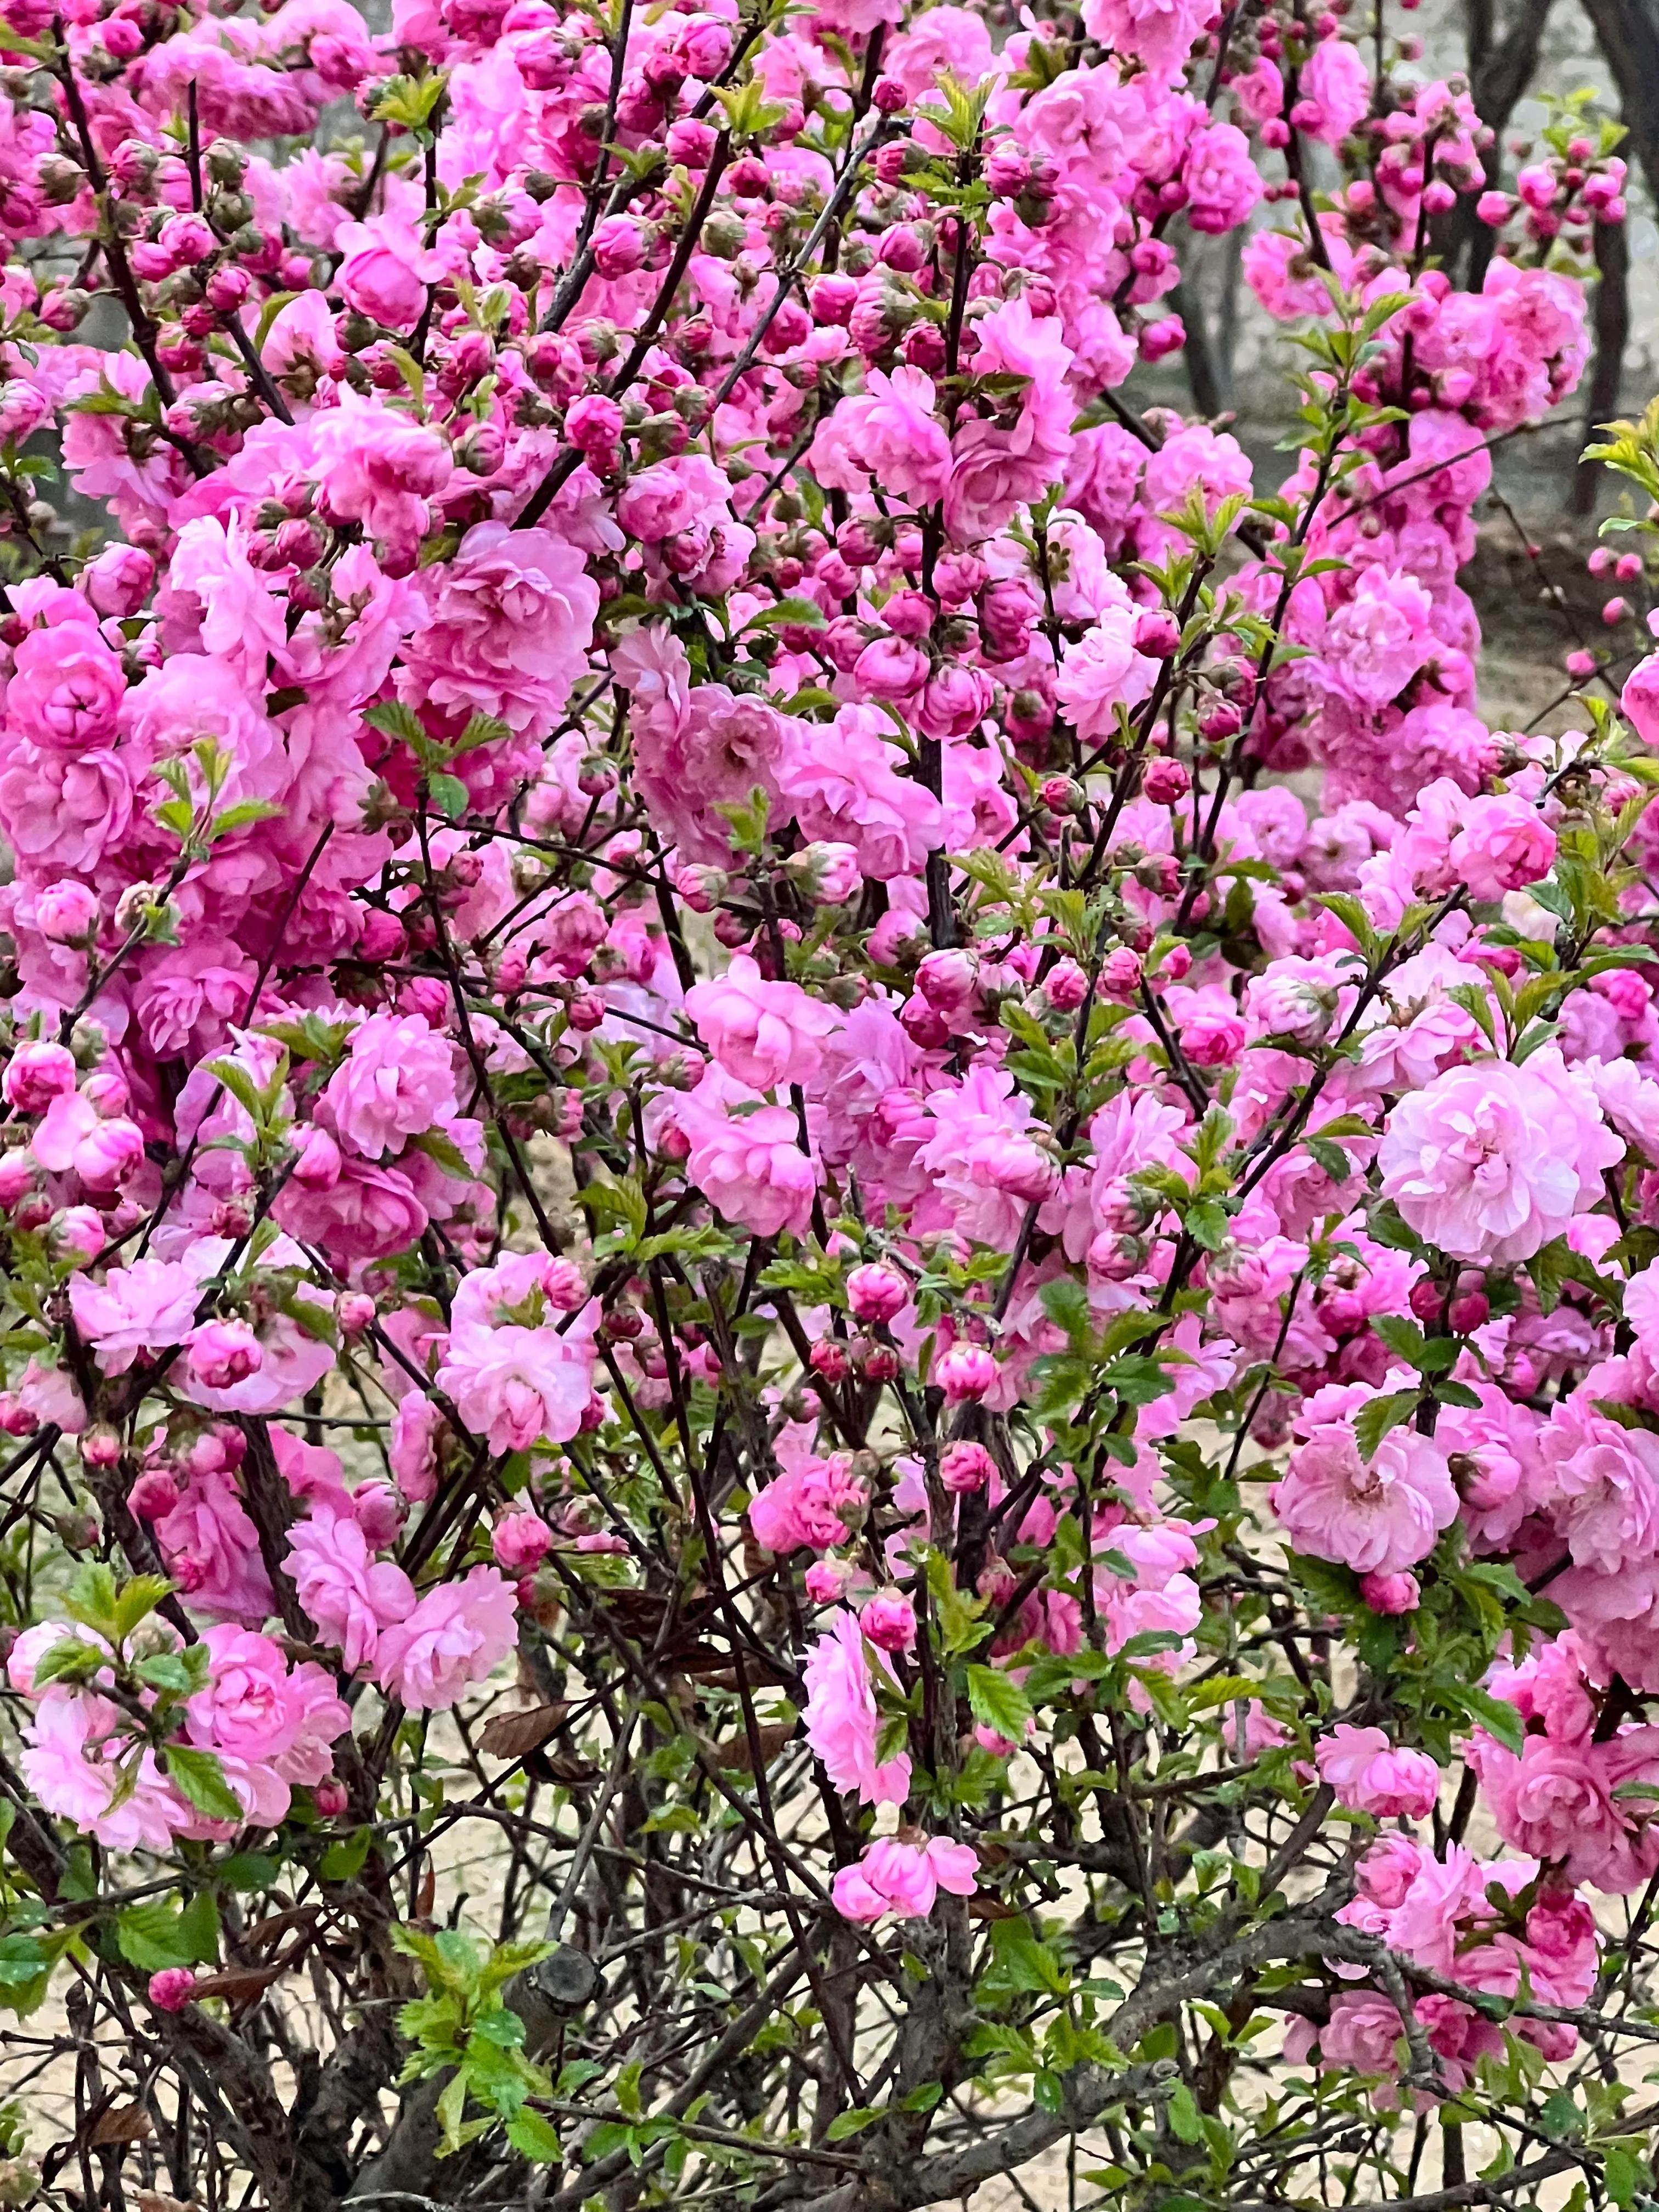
(797, 1406)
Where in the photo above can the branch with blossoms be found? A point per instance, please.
(799, 1408)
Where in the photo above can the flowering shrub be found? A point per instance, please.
(796, 1406)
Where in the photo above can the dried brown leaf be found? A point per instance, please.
(122, 2123)
(513, 1735)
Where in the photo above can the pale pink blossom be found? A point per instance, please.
(1378, 1515)
(843, 1721)
(1491, 1162)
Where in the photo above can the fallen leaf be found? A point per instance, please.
(238, 1985)
(122, 2123)
(734, 1752)
(511, 1735)
(152, 2200)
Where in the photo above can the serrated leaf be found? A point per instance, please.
(1374, 1420)
(200, 1779)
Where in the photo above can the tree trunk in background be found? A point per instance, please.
(1612, 333)
(1199, 355)
(1499, 75)
(1628, 32)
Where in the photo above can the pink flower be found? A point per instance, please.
(170, 1988)
(1640, 699)
(385, 271)
(222, 1353)
(842, 1720)
(890, 434)
(904, 1879)
(749, 1165)
(1377, 1516)
(458, 1634)
(1376, 643)
(987, 1168)
(1369, 1775)
(767, 1035)
(1363, 2035)
(412, 1447)
(516, 1385)
(512, 621)
(1221, 178)
(520, 1542)
(67, 689)
(85, 1767)
(353, 1597)
(380, 469)
(1503, 844)
(695, 751)
(37, 1073)
(66, 913)
(1335, 79)
(1101, 672)
(255, 1706)
(810, 1506)
(212, 1550)
(398, 1081)
(1492, 1161)
(148, 1307)
(1556, 1801)
(877, 1292)
(846, 784)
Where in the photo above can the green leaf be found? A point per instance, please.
(201, 1780)
(534, 2138)
(153, 1932)
(344, 1856)
(449, 795)
(852, 2122)
(1497, 1716)
(788, 614)
(1623, 2176)
(1374, 1420)
(1186, 2122)
(997, 1702)
(137, 1600)
(1401, 1336)
(394, 719)
(91, 1599)
(1020, 1963)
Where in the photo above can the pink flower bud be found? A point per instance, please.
(170, 1990)
(1397, 1593)
(827, 1581)
(17, 1179)
(66, 913)
(1066, 985)
(79, 1231)
(889, 1621)
(1165, 782)
(521, 1540)
(330, 1796)
(876, 1293)
(828, 1359)
(153, 1495)
(223, 1353)
(1157, 634)
(964, 1467)
(1163, 337)
(37, 1073)
(1120, 975)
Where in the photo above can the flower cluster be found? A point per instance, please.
(679, 1082)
